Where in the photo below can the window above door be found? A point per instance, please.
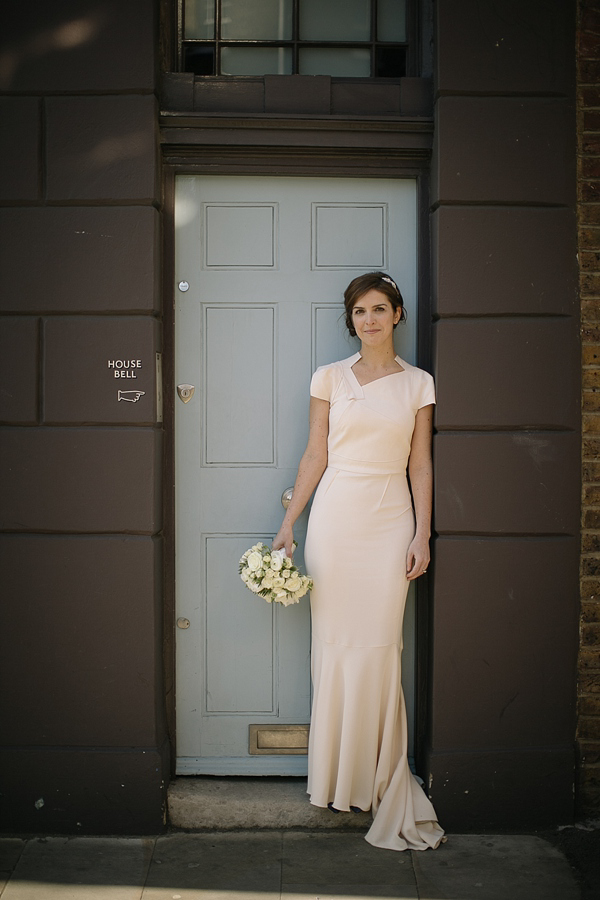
(340, 38)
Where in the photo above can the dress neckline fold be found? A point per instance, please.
(354, 359)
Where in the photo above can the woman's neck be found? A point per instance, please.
(378, 357)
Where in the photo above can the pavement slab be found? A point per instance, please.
(78, 868)
(10, 851)
(342, 859)
(246, 866)
(494, 867)
(349, 892)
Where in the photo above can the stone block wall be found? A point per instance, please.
(588, 128)
(506, 450)
(84, 748)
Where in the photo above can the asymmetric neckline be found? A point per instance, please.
(354, 359)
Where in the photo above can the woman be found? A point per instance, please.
(370, 417)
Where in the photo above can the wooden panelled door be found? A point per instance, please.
(261, 265)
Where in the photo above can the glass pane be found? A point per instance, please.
(391, 20)
(335, 20)
(199, 59)
(343, 63)
(199, 19)
(256, 61)
(256, 20)
(390, 62)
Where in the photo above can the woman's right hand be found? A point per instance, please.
(284, 538)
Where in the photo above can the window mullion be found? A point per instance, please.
(296, 36)
(373, 34)
(218, 37)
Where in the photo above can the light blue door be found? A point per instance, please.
(261, 265)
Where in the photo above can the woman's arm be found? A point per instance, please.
(312, 465)
(420, 470)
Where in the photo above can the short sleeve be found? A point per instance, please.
(426, 394)
(321, 385)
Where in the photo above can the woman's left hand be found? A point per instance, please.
(417, 557)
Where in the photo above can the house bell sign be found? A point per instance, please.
(126, 369)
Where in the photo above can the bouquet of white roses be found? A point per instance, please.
(272, 575)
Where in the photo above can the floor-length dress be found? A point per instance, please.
(360, 526)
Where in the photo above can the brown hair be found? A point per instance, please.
(378, 281)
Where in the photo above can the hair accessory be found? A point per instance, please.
(390, 281)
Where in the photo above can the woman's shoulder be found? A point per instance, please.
(340, 364)
(327, 378)
(415, 371)
(423, 386)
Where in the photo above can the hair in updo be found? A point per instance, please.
(378, 281)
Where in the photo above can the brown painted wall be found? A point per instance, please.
(588, 128)
(505, 601)
(81, 619)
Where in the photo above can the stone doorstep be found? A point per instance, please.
(227, 804)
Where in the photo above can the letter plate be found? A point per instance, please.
(278, 739)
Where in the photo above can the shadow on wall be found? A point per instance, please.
(58, 30)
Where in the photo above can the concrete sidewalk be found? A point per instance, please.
(280, 865)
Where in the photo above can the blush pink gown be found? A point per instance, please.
(360, 526)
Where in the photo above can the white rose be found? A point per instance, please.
(278, 582)
(293, 583)
(267, 582)
(281, 596)
(287, 563)
(285, 573)
(254, 561)
(277, 560)
(254, 586)
(244, 576)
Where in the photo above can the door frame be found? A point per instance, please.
(186, 151)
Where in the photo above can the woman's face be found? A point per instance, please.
(374, 317)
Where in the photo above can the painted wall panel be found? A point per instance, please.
(514, 372)
(514, 690)
(101, 147)
(100, 369)
(495, 260)
(506, 149)
(505, 46)
(88, 606)
(20, 148)
(80, 479)
(19, 352)
(80, 45)
(79, 259)
(520, 482)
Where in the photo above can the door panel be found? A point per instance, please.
(266, 261)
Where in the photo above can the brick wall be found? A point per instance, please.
(588, 113)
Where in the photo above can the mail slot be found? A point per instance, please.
(278, 739)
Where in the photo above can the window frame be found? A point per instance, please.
(409, 46)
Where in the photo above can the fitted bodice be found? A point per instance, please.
(371, 425)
